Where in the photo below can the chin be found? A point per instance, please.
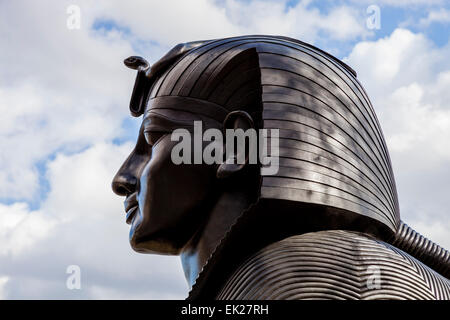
(152, 245)
(165, 241)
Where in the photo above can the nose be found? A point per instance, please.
(124, 183)
(126, 180)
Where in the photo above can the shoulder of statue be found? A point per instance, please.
(333, 264)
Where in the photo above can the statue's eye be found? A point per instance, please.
(153, 137)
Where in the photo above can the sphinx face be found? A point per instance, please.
(164, 201)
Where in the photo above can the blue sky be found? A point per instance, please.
(65, 127)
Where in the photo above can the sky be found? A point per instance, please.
(65, 126)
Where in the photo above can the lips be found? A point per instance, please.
(131, 205)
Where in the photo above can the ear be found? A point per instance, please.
(234, 120)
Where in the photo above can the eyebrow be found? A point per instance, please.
(157, 122)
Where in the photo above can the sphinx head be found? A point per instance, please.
(334, 169)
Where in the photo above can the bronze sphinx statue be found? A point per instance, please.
(326, 225)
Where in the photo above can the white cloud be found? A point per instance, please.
(299, 21)
(441, 16)
(59, 89)
(396, 60)
(21, 229)
(172, 21)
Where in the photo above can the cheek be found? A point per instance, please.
(170, 191)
